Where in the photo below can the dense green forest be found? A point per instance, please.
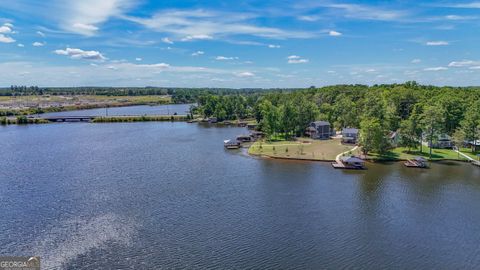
(412, 108)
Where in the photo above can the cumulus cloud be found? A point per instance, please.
(416, 61)
(81, 54)
(5, 30)
(435, 69)
(38, 44)
(244, 74)
(20, 45)
(273, 46)
(334, 33)
(6, 39)
(437, 43)
(167, 40)
(40, 33)
(295, 59)
(138, 59)
(197, 53)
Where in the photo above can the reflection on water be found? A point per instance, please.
(168, 195)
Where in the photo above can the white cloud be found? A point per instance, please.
(207, 24)
(308, 18)
(167, 40)
(5, 29)
(81, 54)
(138, 59)
(224, 58)
(437, 43)
(334, 33)
(273, 46)
(435, 69)
(20, 45)
(473, 5)
(196, 37)
(298, 61)
(295, 59)
(463, 63)
(197, 53)
(245, 74)
(38, 44)
(83, 17)
(475, 67)
(40, 33)
(355, 11)
(6, 39)
(416, 61)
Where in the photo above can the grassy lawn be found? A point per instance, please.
(401, 153)
(468, 152)
(304, 148)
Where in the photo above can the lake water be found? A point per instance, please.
(167, 195)
(170, 109)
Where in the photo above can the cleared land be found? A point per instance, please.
(49, 103)
(307, 149)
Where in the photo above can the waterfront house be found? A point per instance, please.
(350, 135)
(394, 138)
(442, 141)
(319, 130)
(473, 144)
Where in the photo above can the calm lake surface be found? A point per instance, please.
(170, 109)
(167, 195)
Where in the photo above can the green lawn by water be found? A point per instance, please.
(402, 153)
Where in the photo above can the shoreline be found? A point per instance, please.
(371, 160)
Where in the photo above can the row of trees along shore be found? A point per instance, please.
(413, 109)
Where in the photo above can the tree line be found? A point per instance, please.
(420, 112)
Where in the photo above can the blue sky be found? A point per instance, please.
(238, 43)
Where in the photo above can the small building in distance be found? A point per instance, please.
(443, 141)
(350, 135)
(320, 130)
(394, 138)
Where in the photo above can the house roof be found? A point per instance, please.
(321, 123)
(352, 159)
(350, 130)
